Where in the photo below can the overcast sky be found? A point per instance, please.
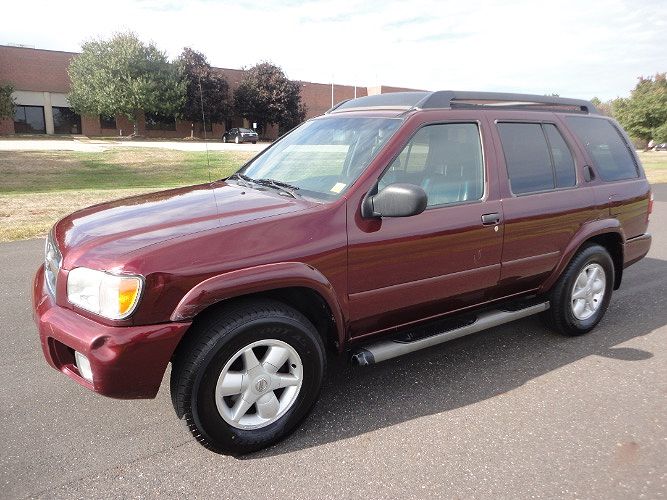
(572, 48)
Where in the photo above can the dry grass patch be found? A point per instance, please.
(31, 215)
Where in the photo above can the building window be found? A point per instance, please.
(107, 122)
(156, 121)
(66, 121)
(29, 120)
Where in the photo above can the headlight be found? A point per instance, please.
(109, 295)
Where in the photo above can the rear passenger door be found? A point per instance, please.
(545, 200)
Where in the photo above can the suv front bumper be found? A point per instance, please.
(127, 362)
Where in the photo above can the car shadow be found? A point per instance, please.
(356, 400)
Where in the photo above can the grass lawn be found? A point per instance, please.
(42, 171)
(655, 165)
(39, 187)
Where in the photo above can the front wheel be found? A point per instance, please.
(236, 140)
(582, 294)
(248, 376)
(224, 138)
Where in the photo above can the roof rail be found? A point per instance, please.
(451, 99)
(394, 100)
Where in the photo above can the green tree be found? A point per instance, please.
(603, 107)
(203, 83)
(644, 113)
(267, 96)
(124, 76)
(6, 101)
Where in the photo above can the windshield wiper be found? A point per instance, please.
(282, 186)
(238, 176)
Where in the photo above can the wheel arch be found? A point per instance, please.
(607, 233)
(295, 284)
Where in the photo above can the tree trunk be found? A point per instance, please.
(135, 123)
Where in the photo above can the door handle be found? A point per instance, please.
(491, 219)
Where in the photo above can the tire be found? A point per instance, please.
(212, 352)
(589, 269)
(224, 138)
(254, 142)
(236, 139)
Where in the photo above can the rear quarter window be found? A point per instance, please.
(606, 146)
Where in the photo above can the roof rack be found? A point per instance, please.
(451, 99)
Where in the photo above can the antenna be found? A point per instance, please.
(203, 119)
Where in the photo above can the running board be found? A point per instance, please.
(387, 349)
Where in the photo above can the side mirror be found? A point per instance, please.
(396, 200)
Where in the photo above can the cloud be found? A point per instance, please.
(572, 48)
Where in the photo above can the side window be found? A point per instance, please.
(562, 157)
(445, 160)
(527, 157)
(606, 146)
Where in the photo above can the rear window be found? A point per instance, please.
(609, 151)
(536, 156)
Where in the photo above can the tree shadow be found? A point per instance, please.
(357, 400)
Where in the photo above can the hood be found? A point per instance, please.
(107, 231)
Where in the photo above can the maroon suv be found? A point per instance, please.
(392, 223)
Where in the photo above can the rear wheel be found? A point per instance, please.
(582, 294)
(248, 376)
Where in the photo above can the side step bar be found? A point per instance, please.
(387, 349)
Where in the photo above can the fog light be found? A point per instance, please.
(83, 365)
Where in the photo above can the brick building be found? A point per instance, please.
(41, 84)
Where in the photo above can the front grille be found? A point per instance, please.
(52, 261)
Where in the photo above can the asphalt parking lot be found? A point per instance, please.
(514, 412)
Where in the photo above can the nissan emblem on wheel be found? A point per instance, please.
(392, 223)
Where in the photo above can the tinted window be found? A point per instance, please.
(445, 160)
(155, 121)
(527, 157)
(107, 122)
(29, 120)
(604, 143)
(563, 161)
(66, 121)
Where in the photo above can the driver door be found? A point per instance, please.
(402, 270)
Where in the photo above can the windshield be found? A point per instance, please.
(322, 157)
